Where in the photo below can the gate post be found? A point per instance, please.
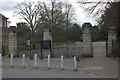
(47, 36)
(111, 38)
(13, 40)
(87, 40)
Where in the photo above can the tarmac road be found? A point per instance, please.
(45, 73)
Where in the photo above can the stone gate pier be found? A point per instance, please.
(87, 40)
(12, 40)
(47, 36)
(111, 37)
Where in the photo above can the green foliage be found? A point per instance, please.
(26, 48)
(95, 33)
(103, 35)
(37, 46)
(72, 33)
(108, 19)
(3, 50)
(22, 30)
(81, 38)
(61, 43)
(58, 34)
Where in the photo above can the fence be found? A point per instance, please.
(68, 50)
(115, 48)
(65, 50)
(106, 48)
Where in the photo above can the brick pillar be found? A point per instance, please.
(13, 40)
(87, 40)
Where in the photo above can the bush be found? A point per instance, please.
(3, 50)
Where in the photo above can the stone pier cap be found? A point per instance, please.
(13, 28)
(86, 25)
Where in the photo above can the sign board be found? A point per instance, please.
(46, 44)
(27, 42)
(3, 43)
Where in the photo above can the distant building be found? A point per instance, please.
(4, 28)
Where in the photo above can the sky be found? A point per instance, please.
(7, 9)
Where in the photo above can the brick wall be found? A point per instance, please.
(5, 35)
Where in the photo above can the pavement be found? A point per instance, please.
(97, 67)
(100, 66)
(87, 68)
(46, 73)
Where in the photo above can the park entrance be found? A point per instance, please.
(87, 48)
(99, 49)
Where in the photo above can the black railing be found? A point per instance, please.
(115, 48)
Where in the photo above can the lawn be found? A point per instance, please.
(37, 46)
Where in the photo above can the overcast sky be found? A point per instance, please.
(7, 9)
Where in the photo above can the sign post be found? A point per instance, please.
(28, 43)
(45, 44)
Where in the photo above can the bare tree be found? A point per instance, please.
(69, 14)
(100, 8)
(95, 7)
(55, 15)
(31, 12)
(53, 12)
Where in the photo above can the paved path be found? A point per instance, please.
(99, 49)
(100, 64)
